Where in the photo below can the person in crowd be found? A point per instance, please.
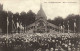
(40, 43)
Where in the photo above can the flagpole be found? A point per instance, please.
(12, 23)
(74, 29)
(7, 27)
(12, 26)
(7, 31)
(68, 26)
(59, 28)
(63, 27)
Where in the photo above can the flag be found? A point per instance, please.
(61, 27)
(21, 27)
(17, 24)
(13, 26)
(68, 23)
(7, 21)
(75, 23)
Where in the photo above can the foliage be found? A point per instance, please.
(23, 18)
(71, 18)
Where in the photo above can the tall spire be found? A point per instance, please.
(40, 6)
(41, 12)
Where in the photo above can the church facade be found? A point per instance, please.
(41, 25)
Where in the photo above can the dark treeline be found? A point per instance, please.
(26, 19)
(23, 18)
(69, 20)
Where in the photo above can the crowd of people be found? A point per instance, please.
(24, 42)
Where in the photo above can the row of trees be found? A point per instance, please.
(72, 20)
(25, 19)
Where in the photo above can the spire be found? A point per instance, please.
(41, 13)
(41, 6)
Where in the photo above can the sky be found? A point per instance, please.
(52, 8)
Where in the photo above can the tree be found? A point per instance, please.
(10, 14)
(16, 19)
(58, 20)
(30, 17)
(3, 21)
(71, 18)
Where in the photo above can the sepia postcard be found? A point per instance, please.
(39, 25)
